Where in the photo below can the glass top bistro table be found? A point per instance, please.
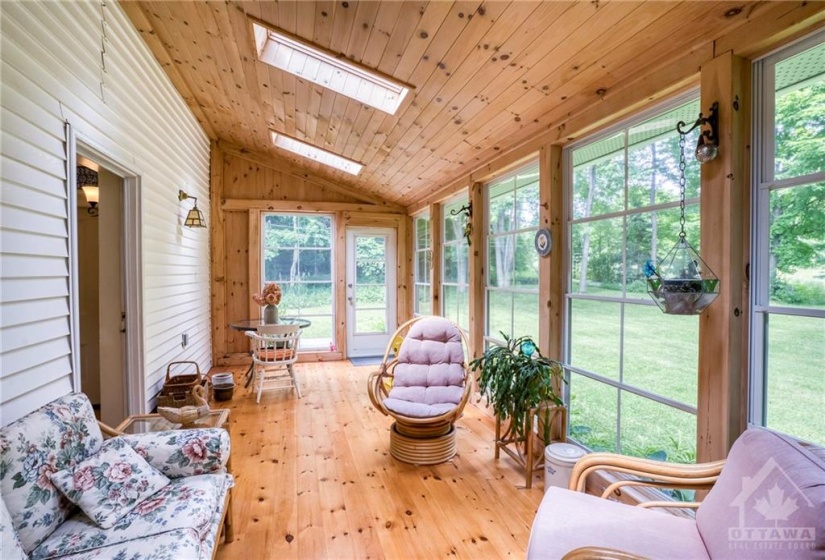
(253, 324)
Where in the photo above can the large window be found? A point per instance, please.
(632, 369)
(297, 253)
(455, 259)
(788, 312)
(512, 261)
(423, 265)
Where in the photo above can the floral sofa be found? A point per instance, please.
(61, 444)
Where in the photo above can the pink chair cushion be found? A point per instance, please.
(429, 375)
(768, 503)
(567, 520)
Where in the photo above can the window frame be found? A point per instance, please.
(490, 338)
(569, 221)
(425, 215)
(763, 183)
(459, 200)
(332, 281)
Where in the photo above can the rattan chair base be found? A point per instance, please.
(422, 451)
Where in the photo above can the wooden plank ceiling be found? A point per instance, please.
(488, 76)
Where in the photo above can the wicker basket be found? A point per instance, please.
(177, 390)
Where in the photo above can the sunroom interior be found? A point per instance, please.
(518, 168)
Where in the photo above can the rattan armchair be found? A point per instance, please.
(424, 385)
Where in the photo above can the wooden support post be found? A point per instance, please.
(436, 223)
(478, 275)
(340, 264)
(255, 277)
(405, 255)
(551, 267)
(722, 398)
(217, 230)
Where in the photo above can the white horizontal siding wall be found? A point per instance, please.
(123, 105)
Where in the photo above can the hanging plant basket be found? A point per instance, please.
(682, 284)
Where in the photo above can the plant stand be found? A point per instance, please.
(523, 450)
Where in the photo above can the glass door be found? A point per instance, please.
(371, 290)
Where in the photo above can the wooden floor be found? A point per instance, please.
(314, 479)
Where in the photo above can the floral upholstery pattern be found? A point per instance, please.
(55, 437)
(179, 544)
(9, 543)
(186, 503)
(109, 484)
(178, 453)
(180, 521)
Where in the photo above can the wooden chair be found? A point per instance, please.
(274, 351)
(424, 387)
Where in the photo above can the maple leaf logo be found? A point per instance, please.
(776, 508)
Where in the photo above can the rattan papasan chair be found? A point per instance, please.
(424, 388)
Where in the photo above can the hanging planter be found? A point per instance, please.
(682, 283)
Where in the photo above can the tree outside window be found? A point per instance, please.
(297, 254)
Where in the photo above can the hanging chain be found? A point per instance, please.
(682, 186)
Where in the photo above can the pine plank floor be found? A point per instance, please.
(314, 479)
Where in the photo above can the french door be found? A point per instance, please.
(371, 290)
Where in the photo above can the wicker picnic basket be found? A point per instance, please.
(177, 390)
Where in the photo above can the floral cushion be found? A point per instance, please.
(186, 503)
(109, 484)
(9, 543)
(52, 438)
(178, 453)
(179, 544)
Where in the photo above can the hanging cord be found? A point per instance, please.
(682, 187)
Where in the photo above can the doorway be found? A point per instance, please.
(101, 303)
(371, 290)
(106, 281)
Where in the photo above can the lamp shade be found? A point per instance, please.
(194, 218)
(92, 194)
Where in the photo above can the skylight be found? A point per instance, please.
(290, 54)
(311, 152)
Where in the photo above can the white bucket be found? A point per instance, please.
(559, 459)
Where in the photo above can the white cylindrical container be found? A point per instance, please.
(559, 459)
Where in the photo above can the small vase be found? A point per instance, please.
(270, 314)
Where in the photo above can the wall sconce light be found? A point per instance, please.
(194, 218)
(87, 182)
(708, 147)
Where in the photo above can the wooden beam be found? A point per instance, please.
(404, 257)
(478, 273)
(254, 244)
(551, 267)
(436, 227)
(722, 397)
(242, 204)
(285, 166)
(340, 264)
(217, 231)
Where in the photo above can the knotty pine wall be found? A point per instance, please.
(246, 185)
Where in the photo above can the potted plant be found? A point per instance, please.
(519, 382)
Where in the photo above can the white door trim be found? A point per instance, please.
(132, 265)
(392, 288)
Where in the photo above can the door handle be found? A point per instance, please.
(350, 300)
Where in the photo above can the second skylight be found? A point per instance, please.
(312, 152)
(291, 54)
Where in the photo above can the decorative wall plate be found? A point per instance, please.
(543, 242)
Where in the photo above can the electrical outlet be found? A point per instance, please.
(184, 340)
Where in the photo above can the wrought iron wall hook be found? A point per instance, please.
(466, 209)
(708, 145)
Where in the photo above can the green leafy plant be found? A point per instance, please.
(516, 378)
